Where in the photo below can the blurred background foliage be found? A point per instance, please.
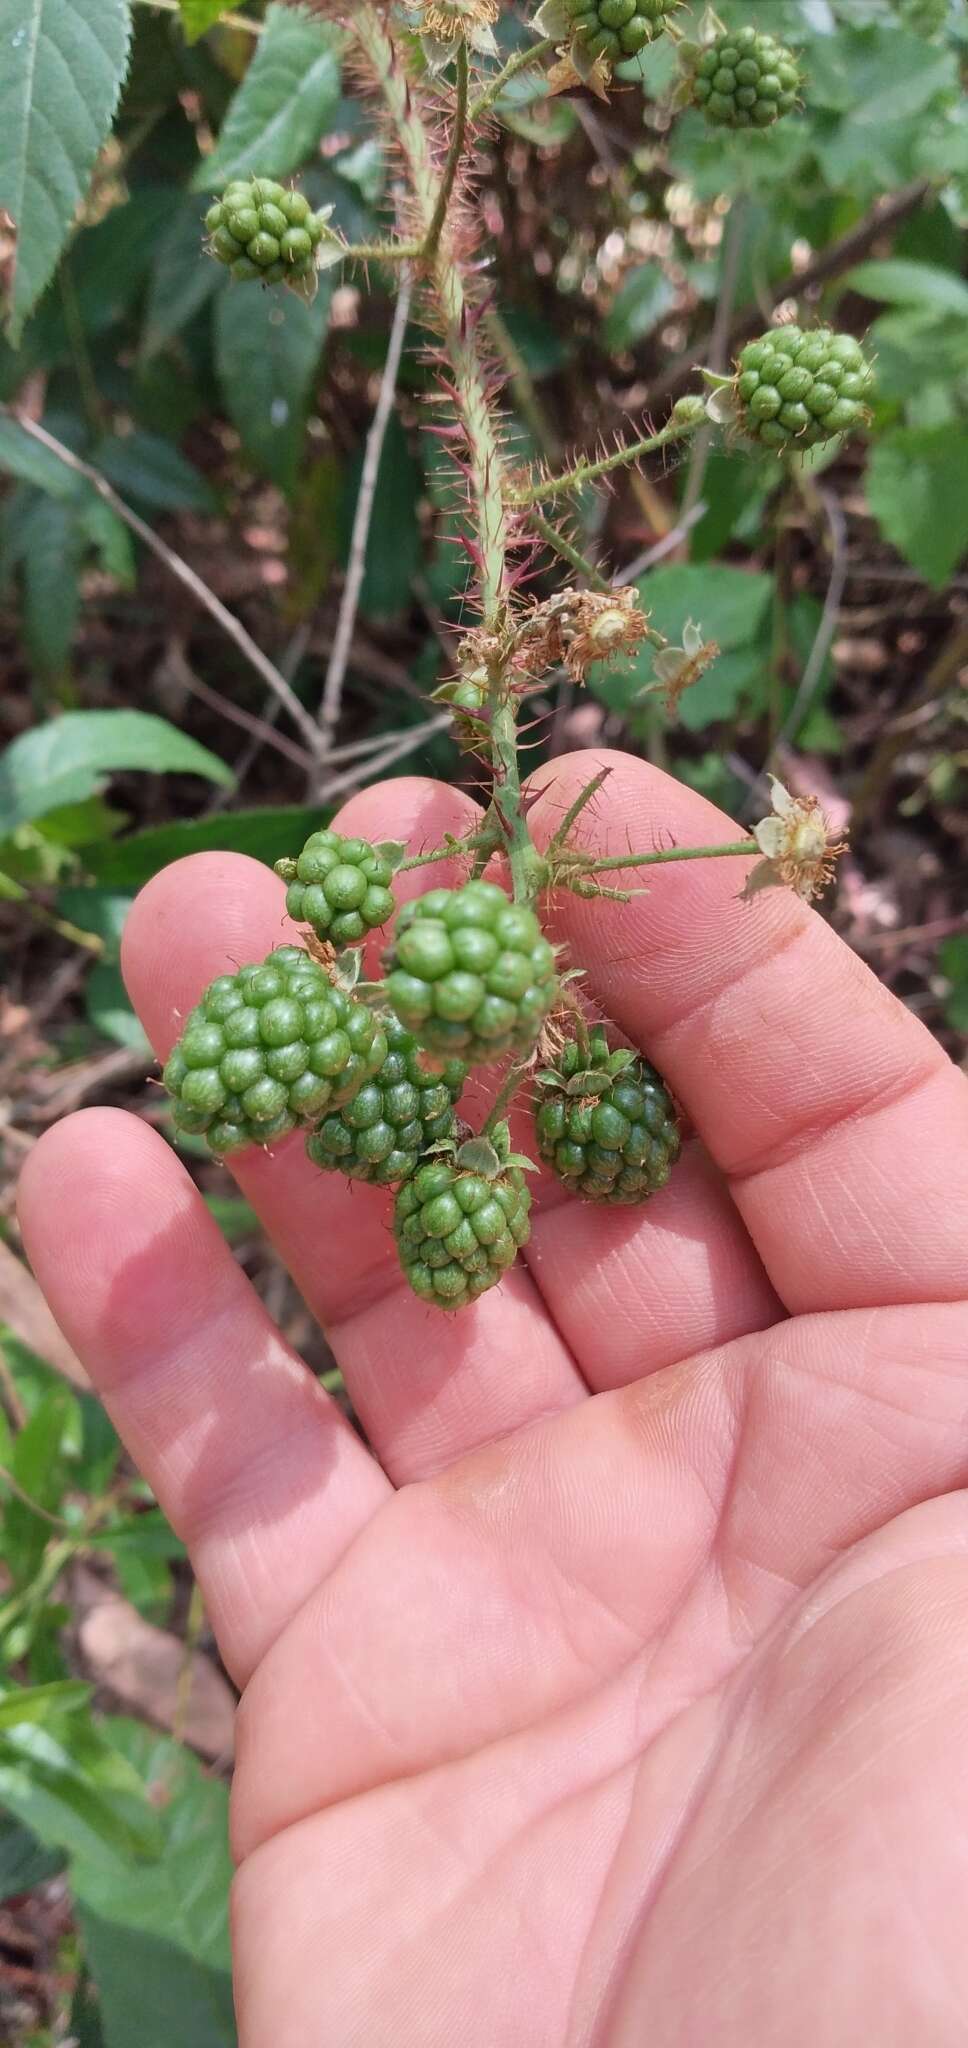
(625, 248)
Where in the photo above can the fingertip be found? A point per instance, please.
(206, 915)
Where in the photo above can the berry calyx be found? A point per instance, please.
(745, 79)
(607, 1124)
(261, 229)
(393, 1119)
(340, 887)
(461, 1219)
(796, 388)
(470, 972)
(268, 1048)
(618, 29)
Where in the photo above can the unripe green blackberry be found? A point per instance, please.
(381, 1135)
(341, 887)
(618, 29)
(460, 1220)
(261, 229)
(268, 1048)
(469, 972)
(745, 79)
(607, 1124)
(795, 388)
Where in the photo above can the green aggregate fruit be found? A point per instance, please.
(606, 1123)
(260, 229)
(795, 387)
(470, 972)
(393, 1119)
(460, 1221)
(618, 29)
(269, 1048)
(341, 887)
(745, 79)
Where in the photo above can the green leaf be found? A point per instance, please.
(916, 491)
(264, 834)
(24, 1862)
(51, 571)
(267, 348)
(76, 1793)
(731, 607)
(200, 15)
(155, 475)
(393, 548)
(108, 1009)
(102, 911)
(643, 299)
(903, 283)
(111, 539)
(183, 279)
(37, 1466)
(64, 761)
(42, 1703)
(64, 62)
(283, 106)
(953, 962)
(23, 457)
(156, 1934)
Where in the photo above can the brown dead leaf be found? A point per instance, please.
(143, 1667)
(23, 1308)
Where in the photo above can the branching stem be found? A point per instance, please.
(521, 61)
(588, 472)
(454, 155)
(737, 848)
(562, 546)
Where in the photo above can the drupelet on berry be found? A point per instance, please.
(618, 29)
(459, 1228)
(340, 887)
(606, 1124)
(795, 388)
(470, 972)
(745, 79)
(260, 229)
(268, 1048)
(395, 1117)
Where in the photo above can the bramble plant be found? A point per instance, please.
(468, 971)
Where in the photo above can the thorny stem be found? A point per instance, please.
(456, 315)
(454, 155)
(570, 554)
(543, 488)
(521, 61)
(574, 811)
(381, 252)
(661, 859)
(528, 869)
(485, 841)
(506, 1094)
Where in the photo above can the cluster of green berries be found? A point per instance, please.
(269, 1048)
(617, 29)
(458, 1227)
(340, 887)
(260, 229)
(745, 79)
(394, 1118)
(470, 972)
(607, 1124)
(287, 1045)
(796, 387)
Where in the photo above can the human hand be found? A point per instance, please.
(625, 1698)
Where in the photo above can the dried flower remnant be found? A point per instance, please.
(800, 850)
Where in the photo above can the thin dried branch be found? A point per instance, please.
(336, 672)
(179, 568)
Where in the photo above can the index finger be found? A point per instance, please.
(840, 1122)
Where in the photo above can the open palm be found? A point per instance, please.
(625, 1700)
